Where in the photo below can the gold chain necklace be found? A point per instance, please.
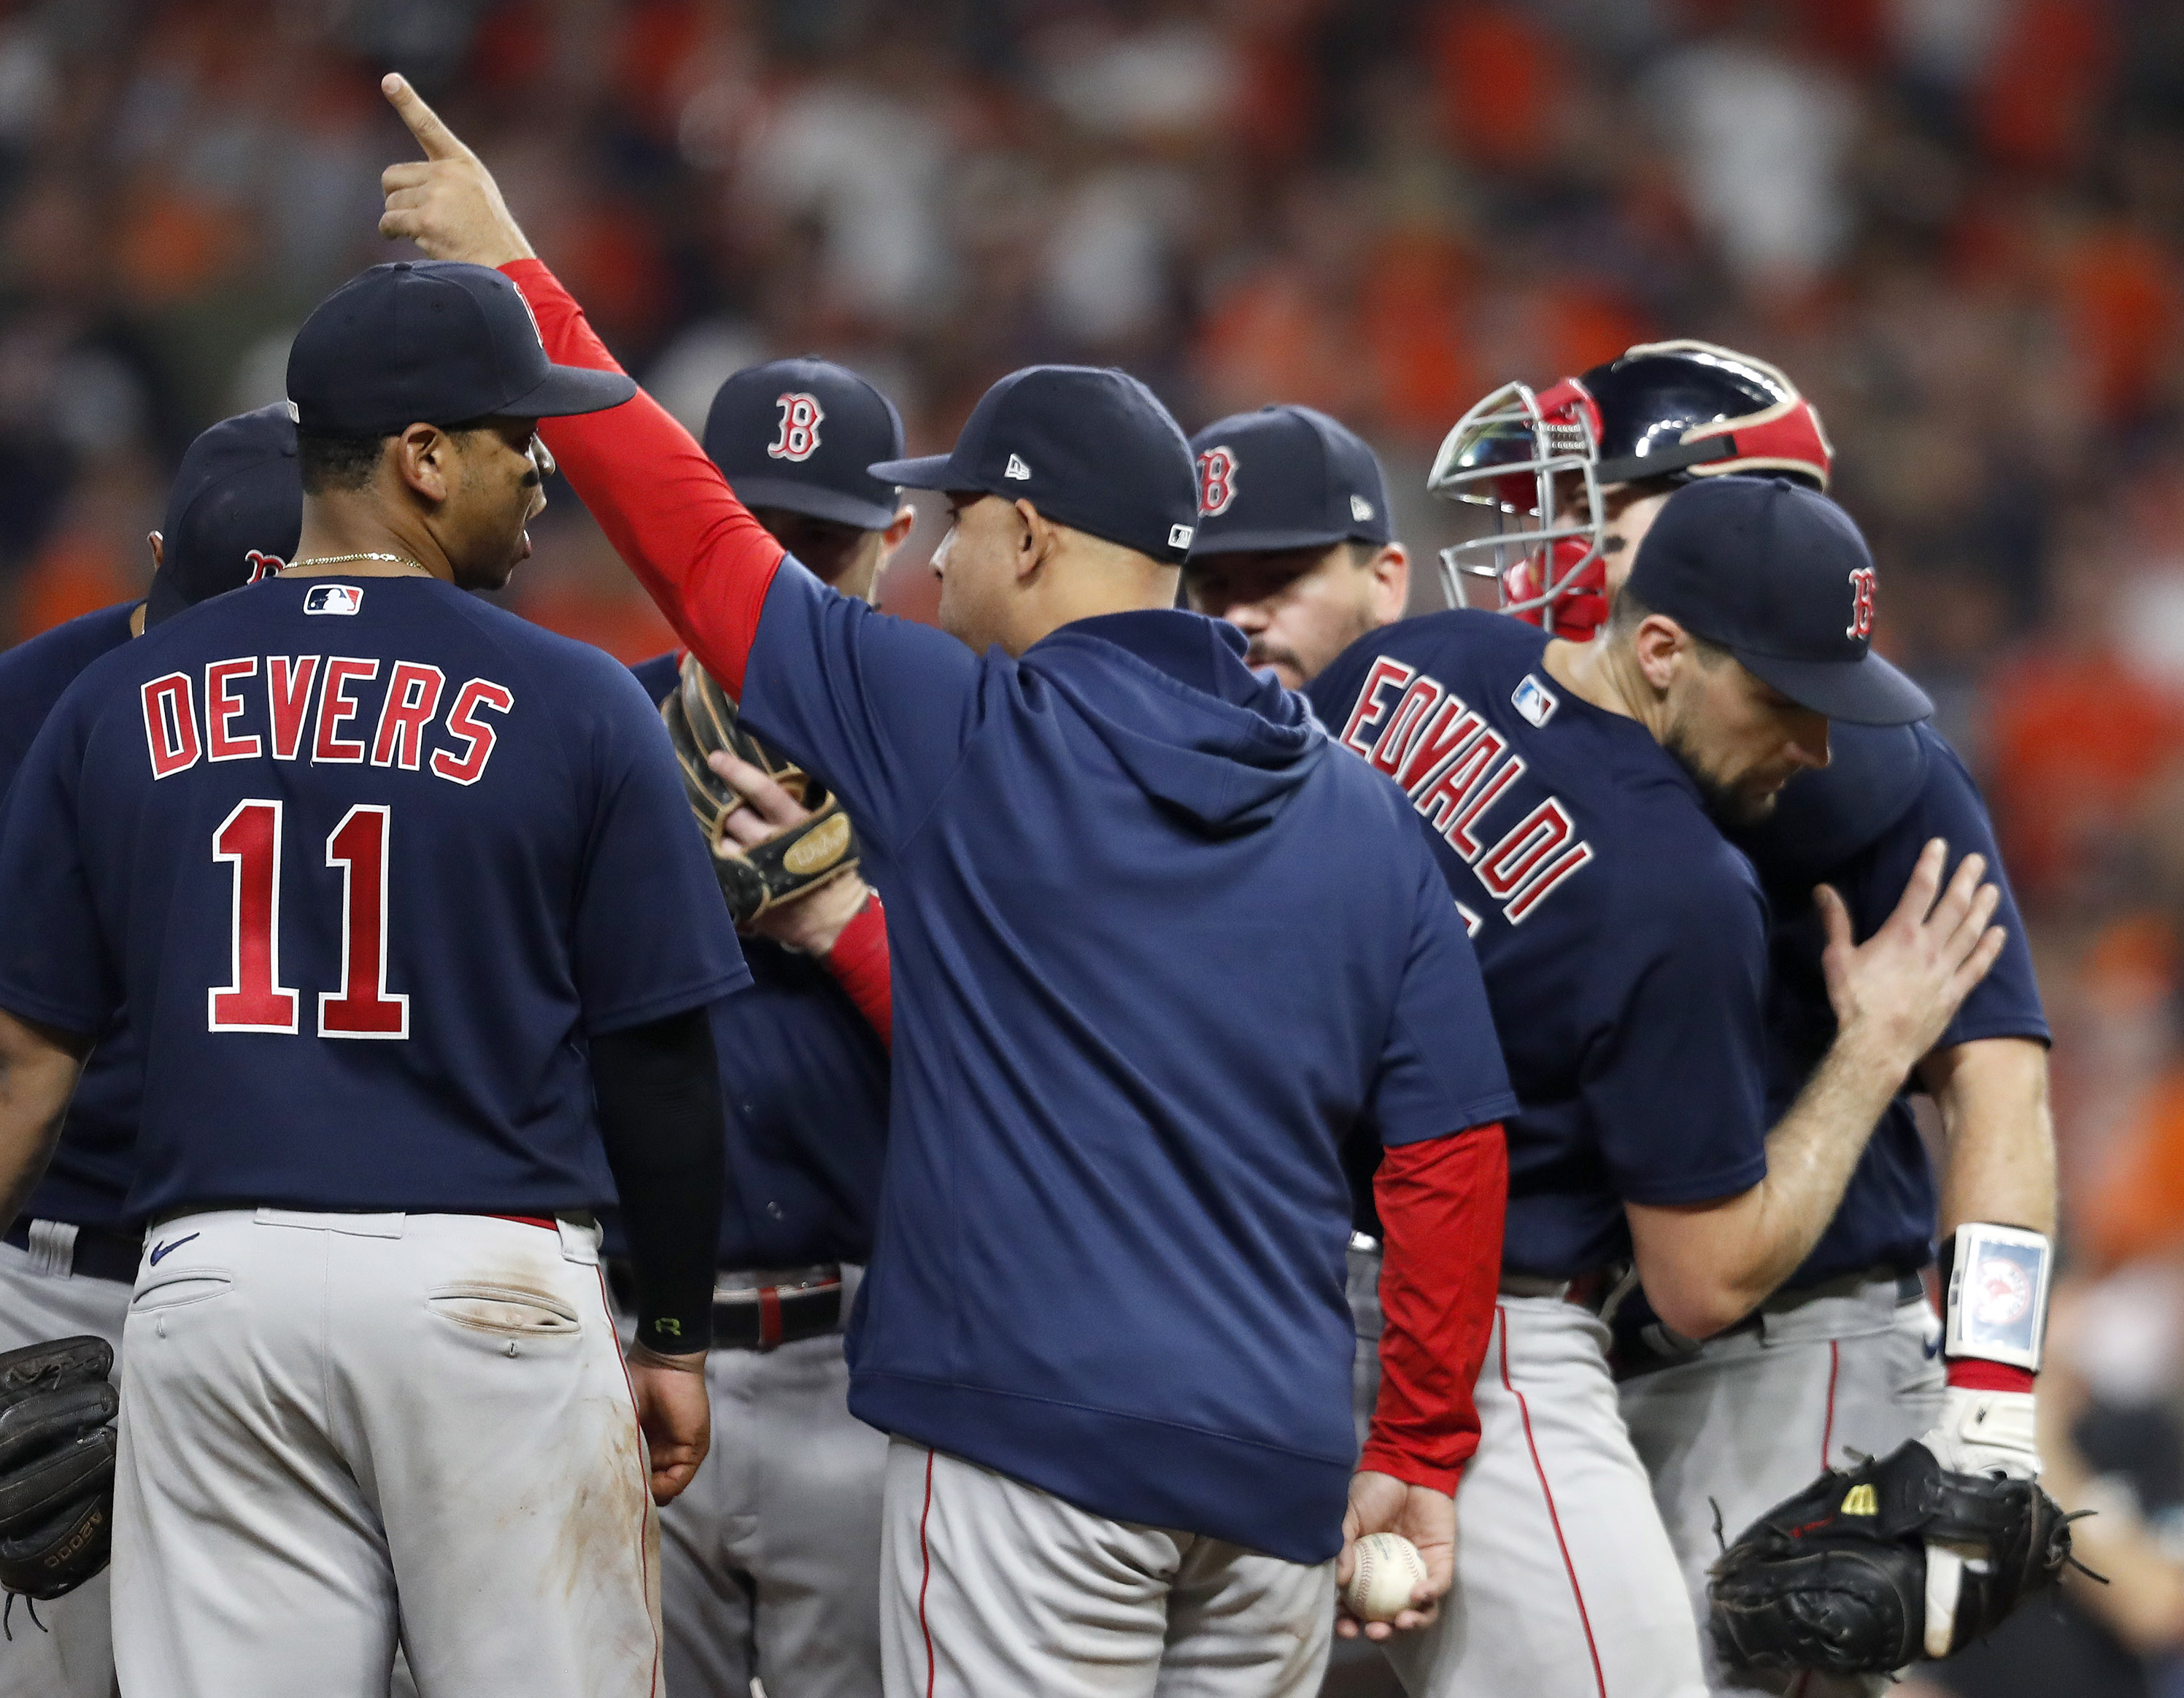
(339, 559)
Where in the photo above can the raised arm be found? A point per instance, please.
(663, 505)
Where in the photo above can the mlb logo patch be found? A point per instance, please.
(333, 598)
(1179, 536)
(1534, 700)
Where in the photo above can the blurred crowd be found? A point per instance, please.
(1958, 224)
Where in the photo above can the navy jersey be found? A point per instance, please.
(367, 859)
(89, 1175)
(804, 1079)
(1859, 825)
(1157, 947)
(1622, 940)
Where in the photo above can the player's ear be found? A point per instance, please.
(1659, 643)
(898, 531)
(1391, 582)
(158, 550)
(424, 455)
(1035, 538)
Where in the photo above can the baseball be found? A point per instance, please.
(1387, 1569)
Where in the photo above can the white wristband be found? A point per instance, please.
(1997, 1295)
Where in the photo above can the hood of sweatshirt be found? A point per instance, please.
(1213, 742)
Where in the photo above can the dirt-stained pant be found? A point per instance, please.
(72, 1656)
(993, 1586)
(1754, 1416)
(1566, 1585)
(336, 1428)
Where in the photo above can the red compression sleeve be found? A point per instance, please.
(1976, 1373)
(666, 508)
(858, 963)
(1441, 1207)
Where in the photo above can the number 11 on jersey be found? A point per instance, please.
(254, 999)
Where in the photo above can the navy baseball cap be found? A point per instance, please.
(1286, 478)
(233, 514)
(799, 434)
(1777, 575)
(433, 342)
(1090, 447)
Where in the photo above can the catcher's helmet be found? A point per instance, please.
(1673, 410)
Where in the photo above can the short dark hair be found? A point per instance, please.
(328, 463)
(1628, 613)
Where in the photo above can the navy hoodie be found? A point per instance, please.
(1158, 946)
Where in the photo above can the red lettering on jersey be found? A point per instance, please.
(222, 705)
(362, 1007)
(170, 725)
(1507, 867)
(1416, 703)
(1452, 727)
(1364, 718)
(1438, 800)
(336, 709)
(1476, 801)
(1544, 879)
(288, 683)
(412, 697)
(478, 695)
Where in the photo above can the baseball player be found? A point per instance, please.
(392, 886)
(770, 1562)
(1569, 793)
(67, 1262)
(1295, 549)
(1843, 1358)
(1104, 1322)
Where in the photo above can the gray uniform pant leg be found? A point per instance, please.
(1566, 1585)
(770, 1562)
(1754, 1417)
(73, 1657)
(993, 1586)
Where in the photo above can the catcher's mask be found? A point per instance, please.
(1542, 461)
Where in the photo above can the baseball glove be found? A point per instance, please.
(700, 719)
(57, 1445)
(1834, 1579)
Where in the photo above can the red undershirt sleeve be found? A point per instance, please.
(860, 964)
(663, 505)
(1441, 1204)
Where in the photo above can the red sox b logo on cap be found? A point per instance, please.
(1217, 480)
(263, 566)
(1861, 604)
(800, 417)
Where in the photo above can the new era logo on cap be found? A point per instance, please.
(1016, 469)
(1361, 509)
(332, 598)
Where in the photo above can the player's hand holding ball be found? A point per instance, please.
(1398, 1557)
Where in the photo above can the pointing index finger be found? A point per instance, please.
(438, 142)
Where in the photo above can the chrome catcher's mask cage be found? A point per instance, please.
(1520, 453)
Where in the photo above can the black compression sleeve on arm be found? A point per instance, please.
(659, 1091)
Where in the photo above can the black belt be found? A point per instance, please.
(99, 1254)
(760, 1317)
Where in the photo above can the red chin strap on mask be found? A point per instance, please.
(1580, 602)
